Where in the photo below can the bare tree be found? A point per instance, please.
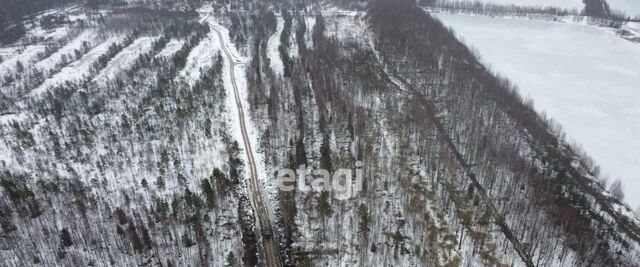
(616, 189)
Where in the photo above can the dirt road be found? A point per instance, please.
(265, 230)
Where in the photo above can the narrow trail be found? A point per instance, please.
(265, 229)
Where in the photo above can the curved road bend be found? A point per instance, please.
(265, 231)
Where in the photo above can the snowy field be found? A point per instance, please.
(199, 59)
(566, 4)
(582, 76)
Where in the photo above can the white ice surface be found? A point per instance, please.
(584, 77)
(566, 4)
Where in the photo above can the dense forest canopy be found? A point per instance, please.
(11, 10)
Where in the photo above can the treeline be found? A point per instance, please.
(144, 4)
(600, 15)
(284, 47)
(492, 8)
(12, 11)
(12, 33)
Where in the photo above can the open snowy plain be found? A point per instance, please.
(584, 77)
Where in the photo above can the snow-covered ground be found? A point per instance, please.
(567, 4)
(8, 52)
(584, 77)
(56, 33)
(310, 22)
(272, 48)
(25, 57)
(629, 7)
(346, 26)
(200, 58)
(48, 64)
(171, 48)
(125, 58)
(76, 70)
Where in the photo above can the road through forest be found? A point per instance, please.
(263, 222)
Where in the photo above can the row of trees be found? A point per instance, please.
(492, 8)
(144, 149)
(598, 11)
(13, 11)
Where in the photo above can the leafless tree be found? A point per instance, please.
(616, 189)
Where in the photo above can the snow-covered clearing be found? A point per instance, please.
(310, 22)
(629, 7)
(49, 34)
(125, 58)
(582, 76)
(566, 4)
(8, 52)
(76, 70)
(272, 48)
(171, 48)
(26, 57)
(346, 26)
(49, 63)
(201, 57)
(11, 117)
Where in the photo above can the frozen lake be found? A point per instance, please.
(584, 77)
(566, 4)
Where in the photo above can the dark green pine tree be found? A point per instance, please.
(65, 238)
(208, 192)
(301, 154)
(325, 154)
